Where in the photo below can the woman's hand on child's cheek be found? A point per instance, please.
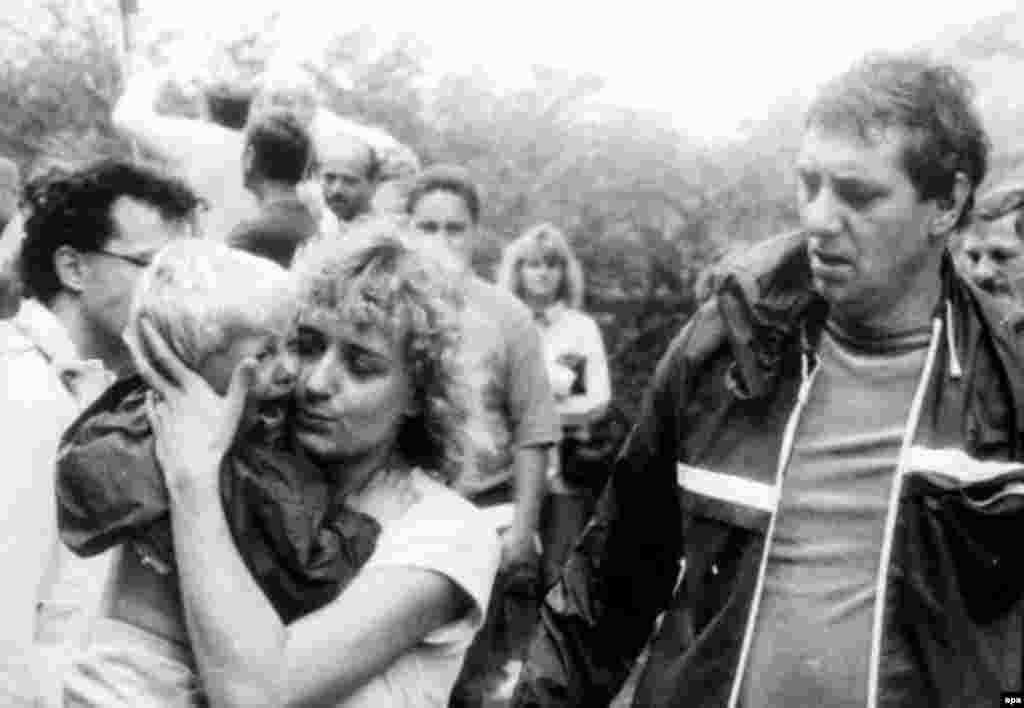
(192, 424)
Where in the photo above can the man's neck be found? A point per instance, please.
(87, 340)
(913, 311)
(268, 193)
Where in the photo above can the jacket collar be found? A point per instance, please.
(46, 333)
(767, 302)
(83, 378)
(550, 314)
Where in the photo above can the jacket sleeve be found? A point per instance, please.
(623, 570)
(109, 488)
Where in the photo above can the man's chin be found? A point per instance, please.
(341, 210)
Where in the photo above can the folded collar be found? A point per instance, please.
(551, 314)
(84, 378)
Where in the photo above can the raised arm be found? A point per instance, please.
(396, 159)
(10, 283)
(181, 141)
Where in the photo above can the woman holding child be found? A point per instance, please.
(382, 412)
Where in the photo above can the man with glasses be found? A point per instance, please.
(88, 235)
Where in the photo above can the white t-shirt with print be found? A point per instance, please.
(441, 532)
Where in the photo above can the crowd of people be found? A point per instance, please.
(273, 441)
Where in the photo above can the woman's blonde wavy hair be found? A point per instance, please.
(542, 240)
(384, 275)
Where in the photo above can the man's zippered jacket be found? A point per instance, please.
(699, 480)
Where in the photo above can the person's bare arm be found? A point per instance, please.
(380, 616)
(396, 159)
(534, 428)
(530, 466)
(187, 143)
(246, 656)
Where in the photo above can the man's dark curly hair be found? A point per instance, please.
(73, 208)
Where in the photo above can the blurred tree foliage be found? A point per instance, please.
(57, 82)
(646, 207)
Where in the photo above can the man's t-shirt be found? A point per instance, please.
(277, 232)
(503, 355)
(812, 639)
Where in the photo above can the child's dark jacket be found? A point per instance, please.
(300, 548)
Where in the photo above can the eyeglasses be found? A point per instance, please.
(141, 260)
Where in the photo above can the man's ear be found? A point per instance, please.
(248, 155)
(951, 207)
(70, 267)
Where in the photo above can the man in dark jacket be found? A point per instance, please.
(832, 445)
(992, 252)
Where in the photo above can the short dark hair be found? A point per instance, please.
(1000, 202)
(932, 101)
(445, 178)
(282, 149)
(228, 106)
(73, 208)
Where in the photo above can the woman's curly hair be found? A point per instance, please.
(382, 275)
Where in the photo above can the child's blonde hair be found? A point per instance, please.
(200, 295)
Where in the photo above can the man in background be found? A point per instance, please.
(503, 352)
(209, 154)
(277, 156)
(349, 173)
(992, 251)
